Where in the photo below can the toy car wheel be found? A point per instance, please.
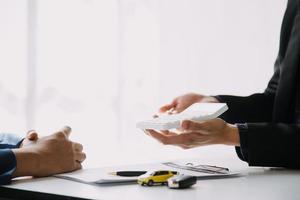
(150, 183)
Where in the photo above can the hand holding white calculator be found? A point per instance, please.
(196, 112)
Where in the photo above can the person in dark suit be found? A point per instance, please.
(264, 127)
(34, 156)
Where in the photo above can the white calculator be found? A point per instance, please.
(196, 112)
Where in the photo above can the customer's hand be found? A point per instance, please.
(49, 155)
(194, 134)
(181, 103)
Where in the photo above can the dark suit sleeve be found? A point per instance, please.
(7, 166)
(255, 108)
(273, 145)
(263, 143)
(7, 157)
(252, 109)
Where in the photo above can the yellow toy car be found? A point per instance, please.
(155, 177)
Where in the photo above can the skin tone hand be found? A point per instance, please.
(195, 134)
(181, 103)
(48, 155)
(31, 137)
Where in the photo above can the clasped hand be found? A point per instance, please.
(48, 155)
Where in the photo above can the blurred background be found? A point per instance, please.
(100, 66)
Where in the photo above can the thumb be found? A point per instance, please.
(168, 107)
(192, 125)
(66, 130)
(32, 135)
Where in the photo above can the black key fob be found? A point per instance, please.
(181, 181)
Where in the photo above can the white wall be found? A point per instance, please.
(13, 65)
(101, 65)
(219, 46)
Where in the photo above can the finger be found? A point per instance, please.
(80, 157)
(146, 132)
(66, 130)
(179, 108)
(168, 133)
(168, 140)
(77, 147)
(163, 132)
(174, 110)
(30, 131)
(185, 146)
(168, 112)
(192, 125)
(32, 135)
(156, 135)
(167, 107)
(77, 165)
